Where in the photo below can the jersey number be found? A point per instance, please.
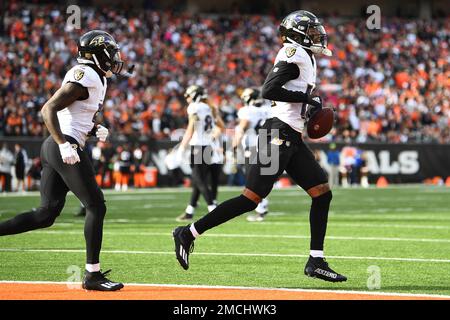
(208, 123)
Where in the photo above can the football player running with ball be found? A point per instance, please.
(69, 116)
(289, 85)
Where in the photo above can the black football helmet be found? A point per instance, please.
(100, 48)
(250, 95)
(304, 28)
(196, 92)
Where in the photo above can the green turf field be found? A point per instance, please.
(404, 231)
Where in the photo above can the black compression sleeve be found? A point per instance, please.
(281, 73)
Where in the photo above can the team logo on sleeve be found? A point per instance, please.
(78, 74)
(290, 51)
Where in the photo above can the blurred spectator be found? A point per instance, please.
(138, 168)
(6, 163)
(346, 165)
(123, 168)
(391, 86)
(333, 165)
(364, 170)
(20, 165)
(34, 174)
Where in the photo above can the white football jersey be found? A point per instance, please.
(204, 123)
(77, 119)
(256, 116)
(291, 113)
(217, 151)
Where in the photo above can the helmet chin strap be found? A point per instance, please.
(315, 49)
(318, 49)
(108, 73)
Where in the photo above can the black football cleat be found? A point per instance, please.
(318, 268)
(97, 281)
(184, 245)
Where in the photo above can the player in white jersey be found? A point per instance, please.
(203, 121)
(69, 116)
(252, 117)
(289, 85)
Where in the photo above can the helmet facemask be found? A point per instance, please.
(317, 37)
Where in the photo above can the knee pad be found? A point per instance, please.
(246, 203)
(46, 216)
(98, 208)
(323, 198)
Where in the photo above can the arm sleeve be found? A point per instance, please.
(281, 73)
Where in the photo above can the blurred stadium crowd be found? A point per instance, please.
(391, 85)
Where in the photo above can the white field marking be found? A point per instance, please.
(338, 190)
(150, 206)
(261, 236)
(63, 224)
(280, 213)
(333, 224)
(187, 286)
(338, 224)
(139, 197)
(228, 254)
(383, 217)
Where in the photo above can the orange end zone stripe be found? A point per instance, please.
(53, 291)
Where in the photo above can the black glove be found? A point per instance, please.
(314, 105)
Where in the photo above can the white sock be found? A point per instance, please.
(364, 182)
(316, 253)
(211, 207)
(194, 231)
(93, 267)
(262, 206)
(190, 209)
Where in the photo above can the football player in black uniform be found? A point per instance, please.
(69, 115)
(289, 85)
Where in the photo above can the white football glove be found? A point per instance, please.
(101, 133)
(69, 154)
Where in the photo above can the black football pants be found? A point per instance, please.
(57, 179)
(214, 176)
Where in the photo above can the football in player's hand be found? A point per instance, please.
(320, 123)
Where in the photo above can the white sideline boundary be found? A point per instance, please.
(370, 293)
(230, 254)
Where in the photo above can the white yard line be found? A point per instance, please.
(227, 254)
(261, 236)
(337, 224)
(150, 285)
